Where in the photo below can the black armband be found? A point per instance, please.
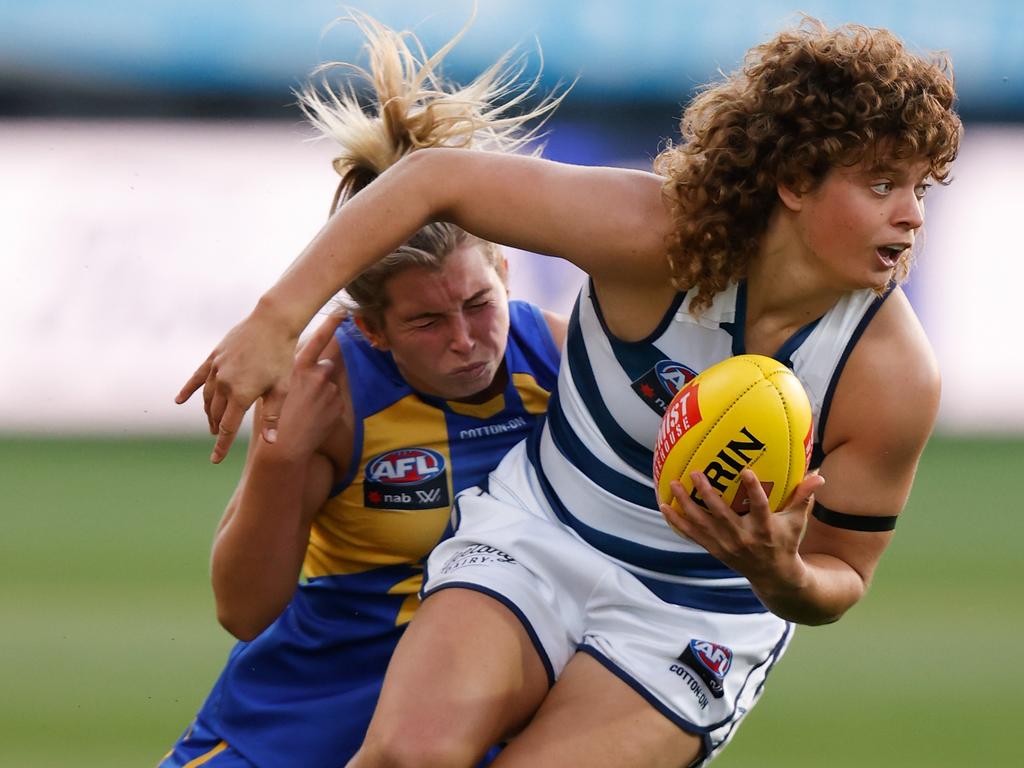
(870, 523)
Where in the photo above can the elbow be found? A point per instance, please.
(822, 619)
(242, 626)
(242, 617)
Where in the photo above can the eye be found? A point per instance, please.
(882, 187)
(423, 324)
(921, 190)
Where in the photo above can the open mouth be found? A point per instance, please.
(890, 255)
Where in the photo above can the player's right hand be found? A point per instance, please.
(253, 360)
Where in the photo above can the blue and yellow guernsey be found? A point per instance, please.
(302, 693)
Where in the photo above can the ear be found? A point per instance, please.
(377, 339)
(790, 196)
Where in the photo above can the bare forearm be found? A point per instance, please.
(821, 591)
(368, 227)
(591, 216)
(258, 553)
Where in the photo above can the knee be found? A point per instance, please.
(412, 750)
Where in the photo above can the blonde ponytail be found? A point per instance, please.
(407, 105)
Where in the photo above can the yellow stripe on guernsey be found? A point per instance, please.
(533, 395)
(205, 758)
(357, 530)
(410, 588)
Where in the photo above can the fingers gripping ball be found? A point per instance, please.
(746, 411)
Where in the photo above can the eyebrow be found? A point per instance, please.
(888, 169)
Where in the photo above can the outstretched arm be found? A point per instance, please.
(597, 218)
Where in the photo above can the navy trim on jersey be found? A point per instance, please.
(818, 455)
(776, 655)
(737, 329)
(771, 661)
(649, 338)
(694, 564)
(636, 357)
(785, 353)
(731, 600)
(629, 450)
(577, 453)
(549, 668)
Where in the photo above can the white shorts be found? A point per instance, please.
(702, 670)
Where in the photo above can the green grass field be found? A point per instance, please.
(108, 640)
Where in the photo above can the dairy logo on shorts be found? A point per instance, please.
(407, 478)
(660, 383)
(710, 661)
(475, 554)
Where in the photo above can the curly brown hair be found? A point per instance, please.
(804, 102)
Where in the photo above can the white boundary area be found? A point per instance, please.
(128, 249)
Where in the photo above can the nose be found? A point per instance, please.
(462, 341)
(909, 210)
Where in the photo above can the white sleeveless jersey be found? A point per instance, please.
(592, 459)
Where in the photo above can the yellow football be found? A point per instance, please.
(746, 411)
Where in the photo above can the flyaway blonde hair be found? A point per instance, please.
(401, 103)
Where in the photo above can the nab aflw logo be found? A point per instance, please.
(407, 478)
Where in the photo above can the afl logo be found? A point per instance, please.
(406, 466)
(716, 658)
(673, 376)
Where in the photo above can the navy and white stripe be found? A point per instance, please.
(592, 459)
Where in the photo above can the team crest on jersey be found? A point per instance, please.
(407, 478)
(710, 661)
(659, 385)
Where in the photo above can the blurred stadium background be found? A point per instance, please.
(156, 177)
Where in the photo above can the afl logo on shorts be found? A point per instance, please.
(407, 478)
(710, 661)
(657, 387)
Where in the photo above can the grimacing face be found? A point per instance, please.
(447, 329)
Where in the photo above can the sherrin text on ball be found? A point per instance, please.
(748, 411)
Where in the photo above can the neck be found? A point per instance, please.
(786, 286)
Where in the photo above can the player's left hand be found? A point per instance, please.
(761, 545)
(253, 360)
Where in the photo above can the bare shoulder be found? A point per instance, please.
(888, 393)
(339, 444)
(558, 325)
